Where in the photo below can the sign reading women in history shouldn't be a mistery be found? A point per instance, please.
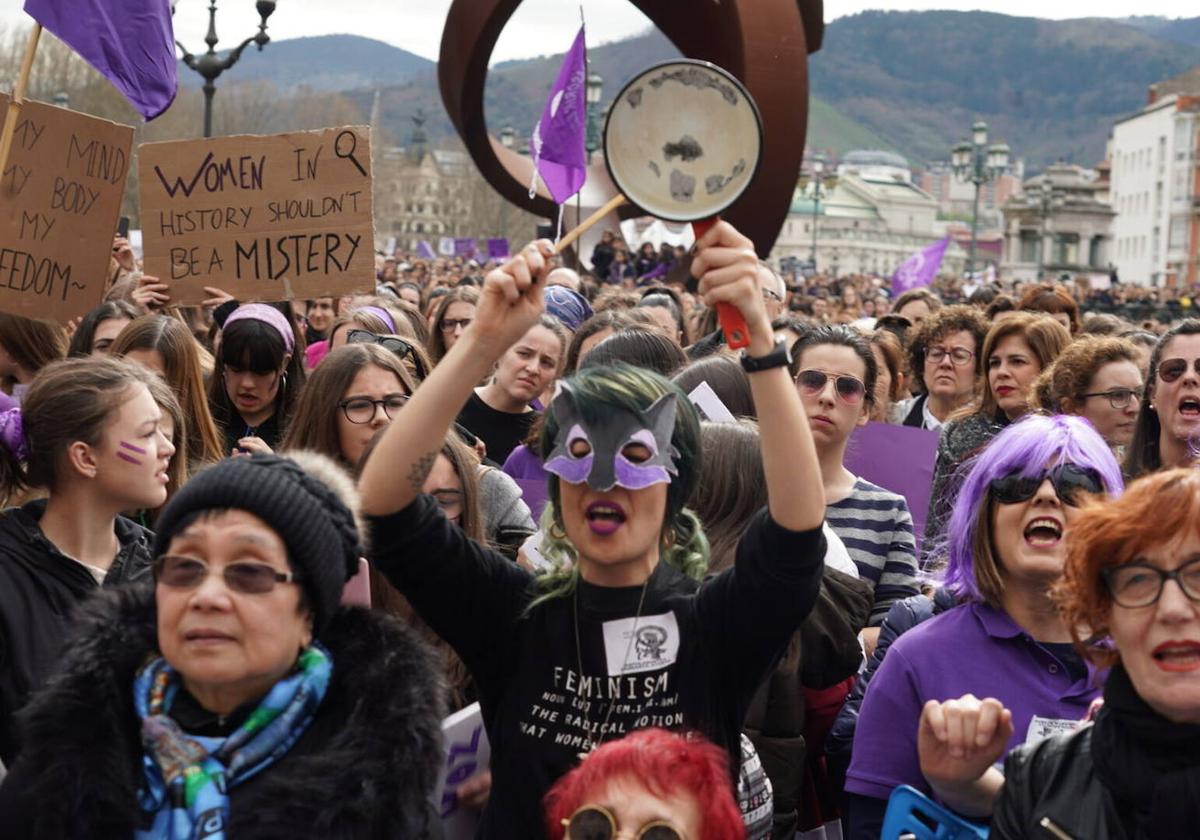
(262, 218)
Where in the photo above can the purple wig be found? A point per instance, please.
(1027, 447)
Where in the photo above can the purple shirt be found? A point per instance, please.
(972, 648)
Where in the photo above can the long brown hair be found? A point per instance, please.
(172, 340)
(314, 424)
(732, 489)
(437, 339)
(31, 344)
(1045, 337)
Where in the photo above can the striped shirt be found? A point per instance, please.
(877, 529)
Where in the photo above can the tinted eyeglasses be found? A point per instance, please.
(1171, 369)
(388, 342)
(595, 822)
(244, 576)
(1140, 584)
(1069, 480)
(1118, 397)
(812, 382)
(451, 324)
(362, 410)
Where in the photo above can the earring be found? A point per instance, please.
(668, 539)
(556, 531)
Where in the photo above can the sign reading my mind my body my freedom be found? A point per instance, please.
(60, 196)
(262, 218)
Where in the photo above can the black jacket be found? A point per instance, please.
(39, 589)
(1055, 780)
(365, 767)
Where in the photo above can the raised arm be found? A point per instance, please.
(727, 267)
(509, 305)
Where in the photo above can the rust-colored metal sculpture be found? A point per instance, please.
(765, 43)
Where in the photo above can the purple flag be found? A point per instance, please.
(425, 250)
(464, 247)
(919, 269)
(130, 42)
(557, 143)
(498, 248)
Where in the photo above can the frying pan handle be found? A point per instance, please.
(733, 324)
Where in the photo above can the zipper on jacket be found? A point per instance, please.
(1054, 829)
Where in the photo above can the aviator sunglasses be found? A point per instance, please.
(595, 822)
(1171, 369)
(1068, 480)
(812, 382)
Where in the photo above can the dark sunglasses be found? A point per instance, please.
(1172, 369)
(388, 342)
(244, 576)
(595, 822)
(1068, 480)
(812, 382)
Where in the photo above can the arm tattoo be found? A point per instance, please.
(420, 471)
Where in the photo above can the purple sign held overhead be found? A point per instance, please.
(425, 250)
(497, 248)
(897, 458)
(465, 247)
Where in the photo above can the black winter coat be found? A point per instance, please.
(1055, 781)
(40, 588)
(365, 767)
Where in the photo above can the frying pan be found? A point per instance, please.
(682, 142)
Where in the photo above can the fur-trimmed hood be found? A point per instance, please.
(365, 768)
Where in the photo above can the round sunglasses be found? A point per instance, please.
(595, 822)
(1068, 479)
(849, 389)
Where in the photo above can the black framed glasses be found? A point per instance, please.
(1069, 480)
(451, 324)
(959, 356)
(362, 410)
(1171, 369)
(595, 822)
(244, 576)
(1118, 397)
(1140, 584)
(396, 345)
(849, 389)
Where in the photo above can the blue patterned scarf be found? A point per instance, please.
(186, 778)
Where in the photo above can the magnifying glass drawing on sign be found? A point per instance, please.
(682, 142)
(347, 150)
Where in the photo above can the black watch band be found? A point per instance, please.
(781, 356)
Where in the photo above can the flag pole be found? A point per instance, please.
(18, 96)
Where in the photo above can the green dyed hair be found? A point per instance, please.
(597, 390)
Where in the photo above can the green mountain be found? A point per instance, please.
(1181, 30)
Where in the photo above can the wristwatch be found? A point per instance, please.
(781, 356)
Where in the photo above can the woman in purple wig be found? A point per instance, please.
(1004, 638)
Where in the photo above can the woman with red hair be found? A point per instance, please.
(652, 785)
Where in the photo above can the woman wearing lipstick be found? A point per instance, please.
(1014, 352)
(257, 377)
(1019, 503)
(499, 413)
(1096, 377)
(1131, 595)
(91, 433)
(620, 635)
(1167, 433)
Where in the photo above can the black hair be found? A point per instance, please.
(840, 336)
(1144, 455)
(81, 342)
(639, 346)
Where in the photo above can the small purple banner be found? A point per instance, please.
(897, 458)
(425, 250)
(497, 248)
(920, 269)
(465, 247)
(557, 144)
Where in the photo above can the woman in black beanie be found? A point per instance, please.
(236, 699)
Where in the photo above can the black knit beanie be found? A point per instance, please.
(315, 525)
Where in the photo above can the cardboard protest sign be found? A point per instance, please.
(263, 218)
(60, 197)
(467, 753)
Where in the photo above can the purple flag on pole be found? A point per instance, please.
(425, 250)
(464, 247)
(498, 248)
(919, 269)
(557, 143)
(130, 42)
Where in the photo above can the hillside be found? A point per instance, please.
(1180, 30)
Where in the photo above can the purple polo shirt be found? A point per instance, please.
(972, 648)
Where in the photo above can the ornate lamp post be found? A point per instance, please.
(595, 89)
(210, 65)
(1046, 199)
(978, 163)
(817, 179)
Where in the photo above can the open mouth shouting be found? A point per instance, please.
(604, 517)
(1190, 407)
(1044, 532)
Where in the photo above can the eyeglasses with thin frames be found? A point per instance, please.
(959, 356)
(849, 389)
(1118, 397)
(595, 822)
(451, 324)
(1140, 584)
(244, 576)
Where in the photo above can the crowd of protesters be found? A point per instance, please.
(252, 555)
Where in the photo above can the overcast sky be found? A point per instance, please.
(545, 26)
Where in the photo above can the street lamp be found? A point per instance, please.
(210, 65)
(595, 89)
(1046, 200)
(978, 163)
(817, 179)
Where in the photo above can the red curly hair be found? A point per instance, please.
(1159, 507)
(664, 763)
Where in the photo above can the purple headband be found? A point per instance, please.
(380, 313)
(12, 433)
(268, 315)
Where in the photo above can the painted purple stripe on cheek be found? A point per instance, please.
(132, 448)
(128, 458)
(574, 470)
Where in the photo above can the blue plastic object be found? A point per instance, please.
(912, 813)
